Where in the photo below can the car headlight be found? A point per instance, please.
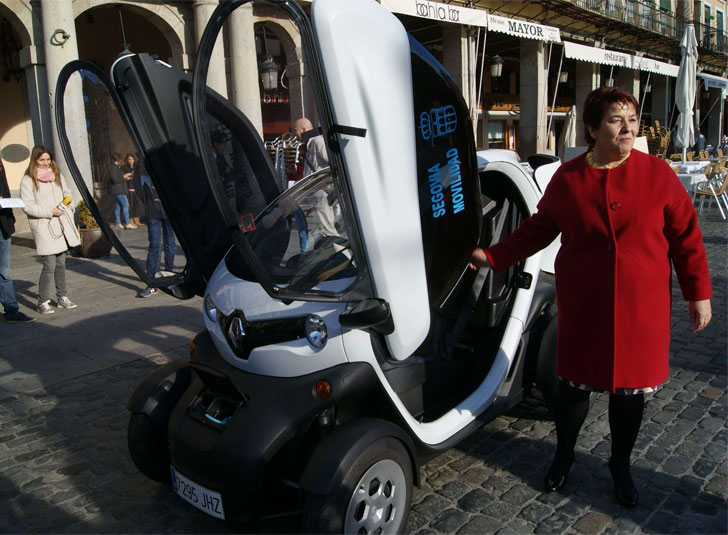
(316, 332)
(210, 308)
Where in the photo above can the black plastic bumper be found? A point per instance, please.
(234, 458)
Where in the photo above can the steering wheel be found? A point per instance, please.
(318, 272)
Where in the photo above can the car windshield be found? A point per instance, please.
(301, 240)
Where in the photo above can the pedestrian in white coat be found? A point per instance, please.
(49, 208)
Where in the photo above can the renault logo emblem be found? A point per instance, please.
(236, 332)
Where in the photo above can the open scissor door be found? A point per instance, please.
(296, 234)
(372, 252)
(144, 114)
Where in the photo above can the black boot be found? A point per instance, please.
(558, 472)
(625, 418)
(624, 487)
(570, 408)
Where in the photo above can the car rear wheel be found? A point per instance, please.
(148, 448)
(374, 496)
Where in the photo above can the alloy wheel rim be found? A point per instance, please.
(378, 500)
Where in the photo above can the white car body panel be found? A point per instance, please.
(374, 91)
(359, 349)
(548, 256)
(289, 359)
(528, 189)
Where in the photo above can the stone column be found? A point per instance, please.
(216, 76)
(245, 91)
(58, 51)
(182, 62)
(31, 62)
(457, 59)
(587, 80)
(533, 120)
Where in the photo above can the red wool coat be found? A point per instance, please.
(619, 230)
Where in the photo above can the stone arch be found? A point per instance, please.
(300, 89)
(21, 19)
(175, 25)
(15, 129)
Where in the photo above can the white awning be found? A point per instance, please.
(620, 59)
(711, 80)
(437, 11)
(521, 28)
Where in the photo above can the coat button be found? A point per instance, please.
(609, 246)
(615, 206)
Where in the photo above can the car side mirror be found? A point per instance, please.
(371, 314)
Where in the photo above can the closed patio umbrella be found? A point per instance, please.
(685, 90)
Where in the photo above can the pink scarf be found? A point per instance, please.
(45, 175)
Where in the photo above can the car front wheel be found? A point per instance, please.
(148, 448)
(374, 496)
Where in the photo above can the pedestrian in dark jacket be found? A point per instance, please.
(7, 228)
(158, 227)
(132, 165)
(119, 189)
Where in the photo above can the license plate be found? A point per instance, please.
(193, 493)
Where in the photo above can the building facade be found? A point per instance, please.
(524, 66)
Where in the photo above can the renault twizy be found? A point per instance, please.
(346, 341)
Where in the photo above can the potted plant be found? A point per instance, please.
(94, 243)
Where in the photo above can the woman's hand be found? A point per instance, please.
(478, 259)
(57, 212)
(700, 314)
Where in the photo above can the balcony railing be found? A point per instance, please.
(636, 13)
(654, 18)
(711, 38)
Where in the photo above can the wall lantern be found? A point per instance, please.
(268, 68)
(563, 77)
(496, 66)
(269, 74)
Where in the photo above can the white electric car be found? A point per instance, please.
(345, 340)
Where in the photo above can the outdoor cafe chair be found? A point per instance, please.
(714, 188)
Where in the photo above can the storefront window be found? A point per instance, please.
(496, 134)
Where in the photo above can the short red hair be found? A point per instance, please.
(597, 103)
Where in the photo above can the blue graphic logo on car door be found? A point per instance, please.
(438, 122)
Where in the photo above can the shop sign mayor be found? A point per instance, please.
(521, 28)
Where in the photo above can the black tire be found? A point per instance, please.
(372, 484)
(148, 448)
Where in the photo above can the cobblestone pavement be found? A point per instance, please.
(64, 466)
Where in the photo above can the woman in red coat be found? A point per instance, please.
(623, 217)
